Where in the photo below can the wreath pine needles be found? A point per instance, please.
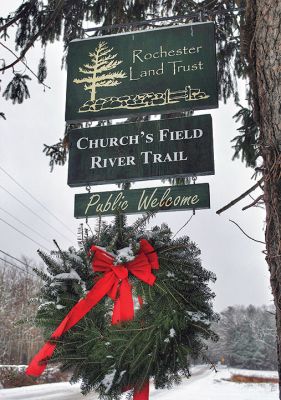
(168, 331)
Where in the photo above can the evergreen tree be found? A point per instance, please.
(247, 338)
(167, 331)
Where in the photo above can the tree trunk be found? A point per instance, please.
(263, 23)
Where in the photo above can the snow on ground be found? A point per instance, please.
(203, 385)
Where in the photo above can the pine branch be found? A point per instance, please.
(57, 153)
(105, 60)
(88, 87)
(98, 228)
(113, 242)
(36, 36)
(101, 47)
(42, 275)
(23, 11)
(171, 248)
(104, 66)
(85, 71)
(113, 75)
(58, 247)
(89, 66)
(92, 54)
(108, 83)
(103, 54)
(142, 221)
(42, 70)
(26, 66)
(83, 80)
(17, 89)
(104, 50)
(93, 59)
(108, 66)
(246, 143)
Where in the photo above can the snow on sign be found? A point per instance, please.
(149, 72)
(141, 150)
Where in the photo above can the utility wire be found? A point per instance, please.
(33, 212)
(36, 200)
(17, 267)
(34, 241)
(20, 261)
(24, 224)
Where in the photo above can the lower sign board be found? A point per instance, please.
(135, 201)
(140, 151)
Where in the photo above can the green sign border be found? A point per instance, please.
(180, 75)
(135, 201)
(188, 156)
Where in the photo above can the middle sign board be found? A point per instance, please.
(159, 149)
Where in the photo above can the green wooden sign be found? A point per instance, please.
(141, 151)
(150, 72)
(135, 201)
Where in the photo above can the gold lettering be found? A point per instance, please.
(92, 202)
(136, 54)
(185, 201)
(195, 199)
(169, 202)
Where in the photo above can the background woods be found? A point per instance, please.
(19, 339)
(247, 338)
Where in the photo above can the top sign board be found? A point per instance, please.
(149, 72)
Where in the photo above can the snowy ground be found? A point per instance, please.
(203, 385)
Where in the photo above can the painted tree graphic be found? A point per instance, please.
(101, 61)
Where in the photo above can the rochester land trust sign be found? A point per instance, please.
(149, 72)
(141, 151)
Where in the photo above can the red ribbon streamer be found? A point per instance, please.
(116, 285)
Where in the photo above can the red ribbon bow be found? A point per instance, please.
(116, 285)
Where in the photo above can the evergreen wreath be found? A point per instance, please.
(168, 330)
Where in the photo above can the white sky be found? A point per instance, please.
(242, 274)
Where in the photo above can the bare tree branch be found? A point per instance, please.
(233, 202)
(253, 203)
(249, 237)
